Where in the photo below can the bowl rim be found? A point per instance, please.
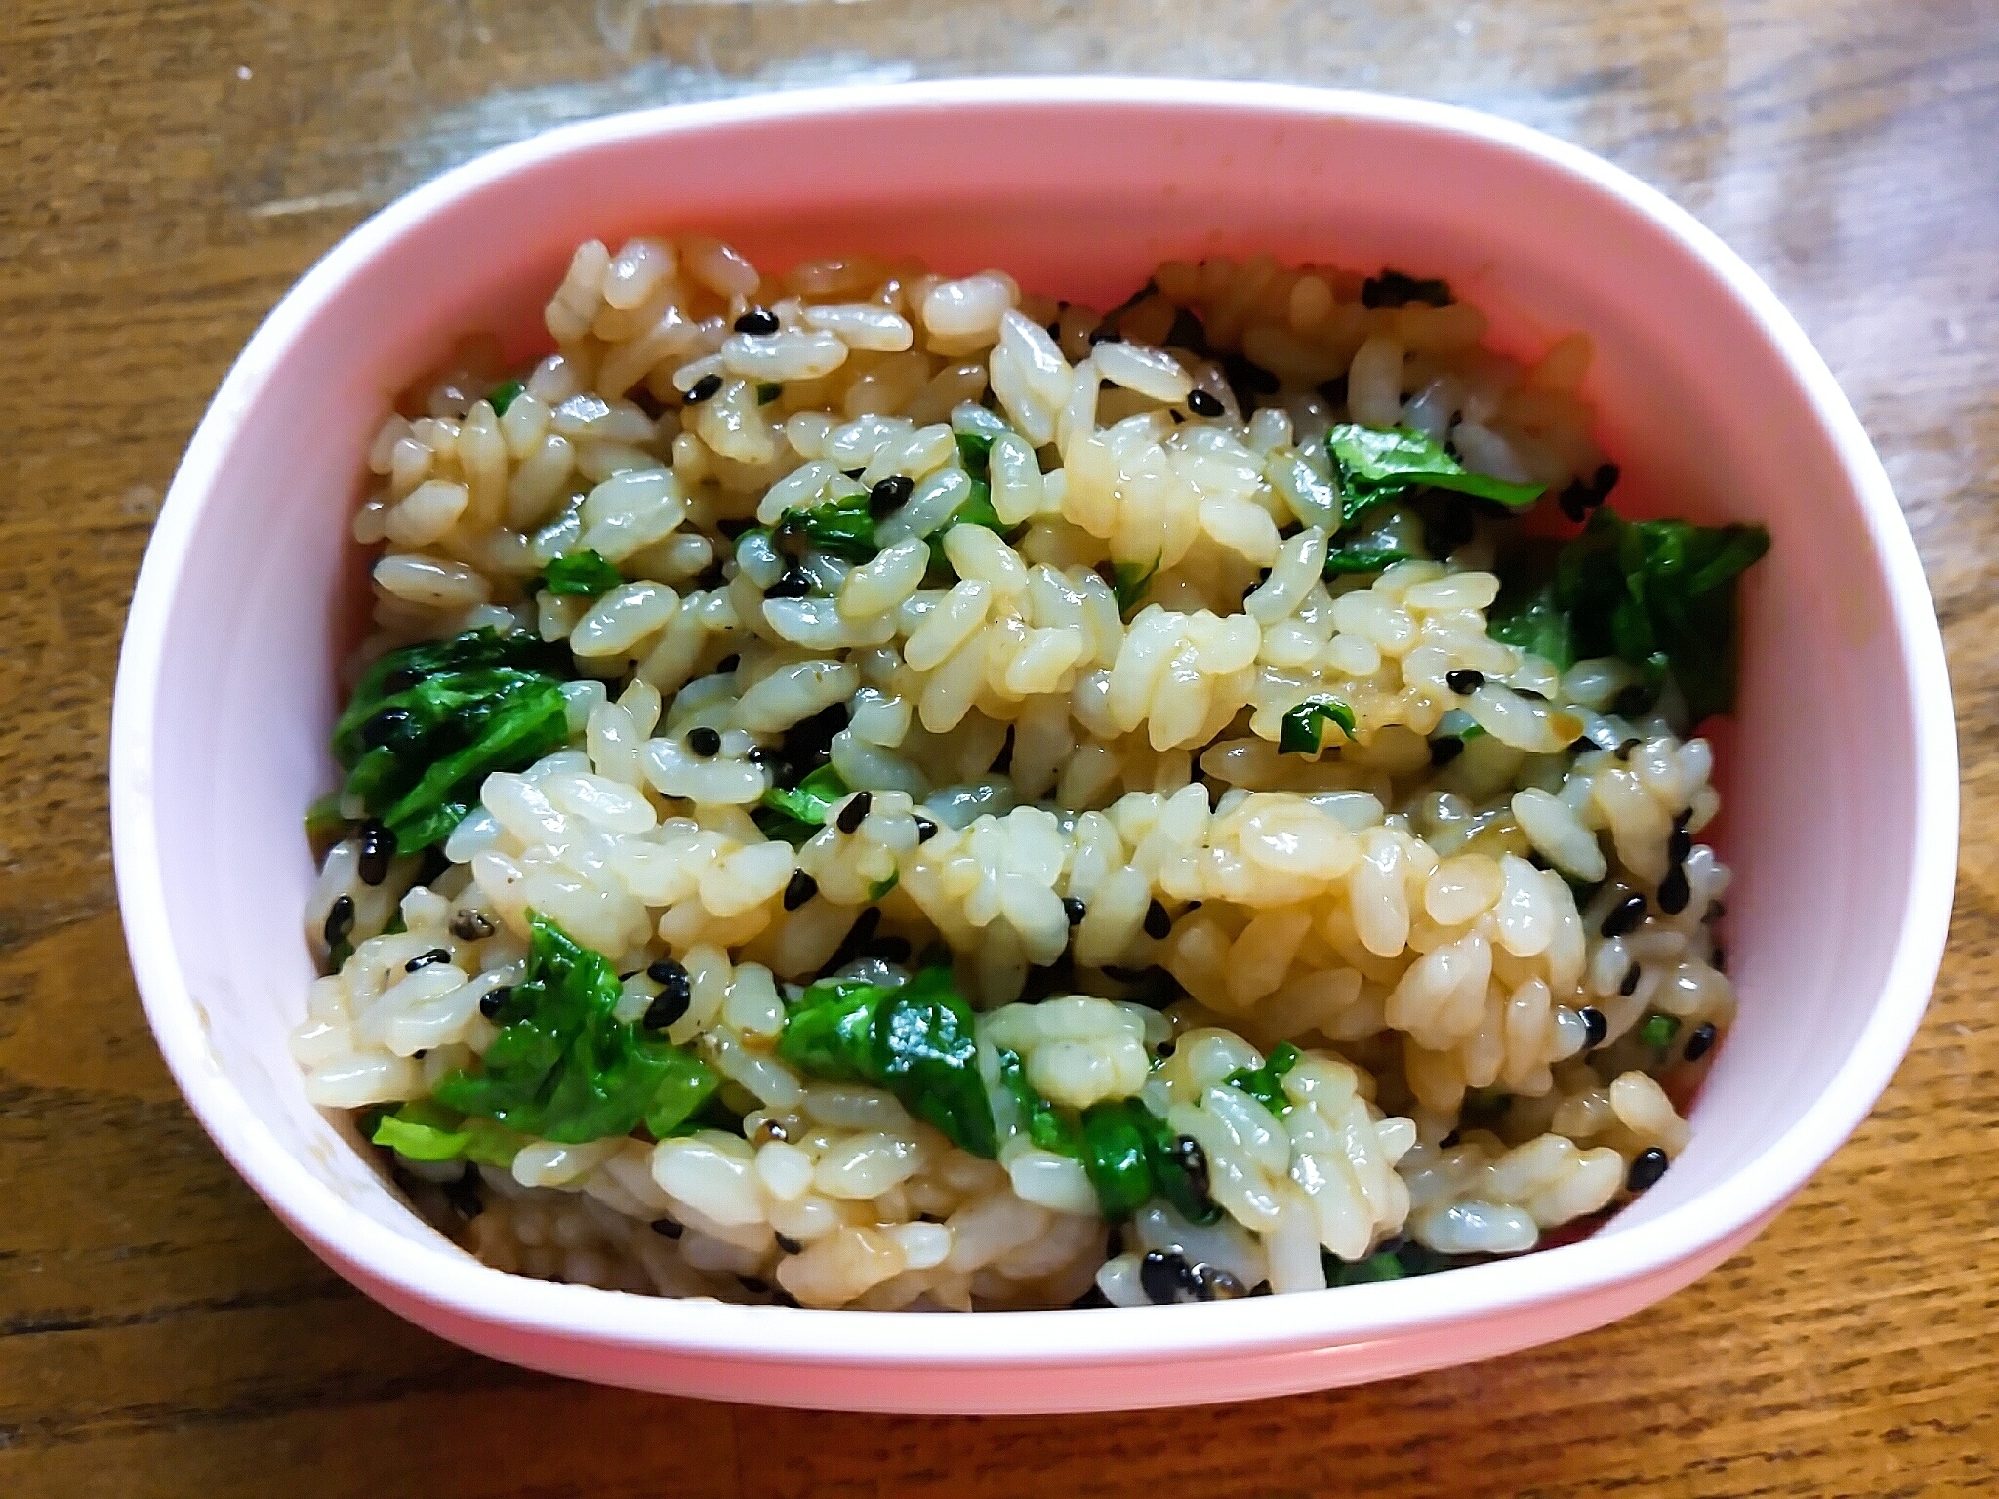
(444, 1277)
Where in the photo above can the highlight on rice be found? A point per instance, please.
(875, 789)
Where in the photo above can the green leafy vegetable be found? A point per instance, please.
(915, 1040)
(768, 391)
(1130, 581)
(424, 1130)
(1373, 465)
(1362, 559)
(842, 528)
(796, 813)
(1659, 594)
(1302, 730)
(975, 510)
(584, 572)
(1048, 1127)
(563, 1067)
(429, 722)
(975, 451)
(500, 397)
(1406, 1260)
(879, 888)
(1131, 1156)
(1266, 1083)
(1658, 1031)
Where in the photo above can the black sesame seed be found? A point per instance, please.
(1074, 909)
(1624, 916)
(1674, 892)
(420, 1053)
(855, 812)
(925, 829)
(704, 741)
(377, 846)
(470, 925)
(383, 727)
(1464, 680)
(1164, 1276)
(1646, 1170)
(1596, 1026)
(1157, 922)
(490, 1004)
(705, 387)
(667, 1006)
(1700, 1041)
(1443, 751)
(425, 959)
(889, 493)
(339, 921)
(667, 971)
(1630, 985)
(801, 889)
(1201, 403)
(796, 583)
(1679, 843)
(757, 320)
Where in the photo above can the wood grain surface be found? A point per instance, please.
(167, 169)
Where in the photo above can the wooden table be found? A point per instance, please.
(170, 167)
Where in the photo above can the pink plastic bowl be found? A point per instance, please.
(1841, 770)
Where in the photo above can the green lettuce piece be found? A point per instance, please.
(563, 1066)
(1129, 1156)
(1373, 464)
(500, 397)
(584, 572)
(795, 813)
(1266, 1083)
(915, 1040)
(1130, 581)
(841, 528)
(424, 1130)
(1302, 729)
(1050, 1128)
(429, 722)
(1659, 594)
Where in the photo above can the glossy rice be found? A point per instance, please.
(1410, 922)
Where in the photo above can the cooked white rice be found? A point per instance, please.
(1408, 925)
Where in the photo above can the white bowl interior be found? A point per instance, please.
(252, 586)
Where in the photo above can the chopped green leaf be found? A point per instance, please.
(1266, 1083)
(881, 887)
(1659, 594)
(841, 528)
(424, 1130)
(1373, 465)
(563, 1067)
(768, 391)
(429, 722)
(1114, 1157)
(975, 510)
(1130, 581)
(1362, 559)
(915, 1040)
(583, 572)
(975, 451)
(1658, 1031)
(500, 397)
(1303, 728)
(796, 813)
(1381, 1266)
(1048, 1127)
